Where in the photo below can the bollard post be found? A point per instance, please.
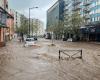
(59, 54)
(81, 54)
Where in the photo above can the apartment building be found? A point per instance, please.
(17, 19)
(68, 10)
(92, 17)
(95, 10)
(37, 27)
(90, 11)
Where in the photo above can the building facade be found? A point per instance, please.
(10, 27)
(90, 11)
(37, 27)
(41, 30)
(55, 14)
(68, 10)
(95, 10)
(4, 15)
(17, 19)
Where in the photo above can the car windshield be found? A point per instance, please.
(29, 39)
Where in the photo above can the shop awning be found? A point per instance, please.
(92, 28)
(3, 17)
(5, 12)
(3, 25)
(84, 30)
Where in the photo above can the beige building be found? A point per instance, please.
(4, 15)
(40, 25)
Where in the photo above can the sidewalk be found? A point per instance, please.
(98, 43)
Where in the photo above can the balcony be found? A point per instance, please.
(76, 2)
(87, 16)
(87, 3)
(76, 8)
(66, 13)
(66, 4)
(66, 9)
(87, 9)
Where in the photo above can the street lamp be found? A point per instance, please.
(29, 18)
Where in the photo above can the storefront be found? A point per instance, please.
(91, 32)
(3, 17)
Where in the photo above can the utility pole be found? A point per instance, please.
(29, 19)
(32, 27)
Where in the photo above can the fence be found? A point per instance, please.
(74, 52)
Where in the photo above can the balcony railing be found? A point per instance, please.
(87, 16)
(87, 10)
(75, 8)
(66, 9)
(66, 4)
(76, 2)
(88, 2)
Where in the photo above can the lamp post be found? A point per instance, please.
(29, 19)
(32, 27)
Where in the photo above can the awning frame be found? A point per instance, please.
(5, 12)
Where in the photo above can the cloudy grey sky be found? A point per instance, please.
(23, 5)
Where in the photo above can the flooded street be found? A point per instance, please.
(41, 62)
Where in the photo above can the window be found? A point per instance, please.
(0, 16)
(96, 19)
(93, 19)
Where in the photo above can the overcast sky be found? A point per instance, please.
(23, 5)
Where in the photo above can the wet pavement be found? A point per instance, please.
(41, 62)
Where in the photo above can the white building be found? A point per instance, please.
(38, 23)
(41, 30)
(17, 19)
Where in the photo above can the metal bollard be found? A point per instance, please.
(59, 55)
(81, 54)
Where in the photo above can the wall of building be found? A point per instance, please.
(2, 22)
(10, 26)
(53, 15)
(61, 10)
(2, 3)
(17, 17)
(38, 23)
(41, 30)
(95, 11)
(90, 9)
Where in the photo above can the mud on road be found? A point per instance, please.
(42, 63)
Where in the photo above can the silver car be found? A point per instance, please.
(29, 42)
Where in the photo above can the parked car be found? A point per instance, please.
(48, 36)
(29, 42)
(64, 39)
(34, 37)
(70, 40)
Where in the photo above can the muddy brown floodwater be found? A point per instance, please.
(42, 63)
